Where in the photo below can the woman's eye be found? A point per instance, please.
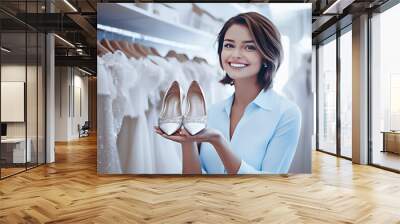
(228, 45)
(250, 47)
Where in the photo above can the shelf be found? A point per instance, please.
(129, 17)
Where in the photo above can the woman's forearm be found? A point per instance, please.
(190, 157)
(230, 161)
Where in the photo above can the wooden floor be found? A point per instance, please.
(70, 191)
(10, 171)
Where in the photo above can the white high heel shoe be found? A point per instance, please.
(195, 118)
(170, 119)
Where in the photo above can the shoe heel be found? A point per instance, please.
(170, 119)
(195, 119)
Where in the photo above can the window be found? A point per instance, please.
(346, 93)
(327, 96)
(22, 60)
(385, 89)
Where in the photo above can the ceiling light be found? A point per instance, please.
(65, 41)
(86, 72)
(70, 5)
(5, 50)
(79, 51)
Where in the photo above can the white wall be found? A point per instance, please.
(33, 126)
(61, 103)
(69, 85)
(82, 83)
(79, 117)
(13, 73)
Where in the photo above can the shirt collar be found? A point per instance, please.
(264, 100)
(228, 105)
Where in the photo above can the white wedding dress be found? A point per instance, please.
(107, 152)
(167, 153)
(135, 141)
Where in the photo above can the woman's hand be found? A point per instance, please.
(191, 157)
(182, 136)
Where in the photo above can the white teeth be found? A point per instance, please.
(238, 65)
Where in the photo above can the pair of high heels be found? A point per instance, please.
(171, 118)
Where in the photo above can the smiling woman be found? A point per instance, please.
(258, 40)
(256, 130)
(238, 42)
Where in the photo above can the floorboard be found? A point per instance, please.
(70, 191)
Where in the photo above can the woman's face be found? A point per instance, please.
(240, 57)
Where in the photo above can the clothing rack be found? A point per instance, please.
(112, 33)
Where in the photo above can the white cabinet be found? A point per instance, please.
(16, 148)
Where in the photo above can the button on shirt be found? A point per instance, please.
(265, 138)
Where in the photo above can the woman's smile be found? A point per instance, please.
(238, 65)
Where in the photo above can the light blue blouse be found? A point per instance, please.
(265, 139)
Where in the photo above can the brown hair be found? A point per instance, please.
(267, 40)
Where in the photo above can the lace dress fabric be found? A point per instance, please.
(135, 143)
(107, 156)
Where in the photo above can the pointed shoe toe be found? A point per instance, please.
(194, 127)
(169, 128)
